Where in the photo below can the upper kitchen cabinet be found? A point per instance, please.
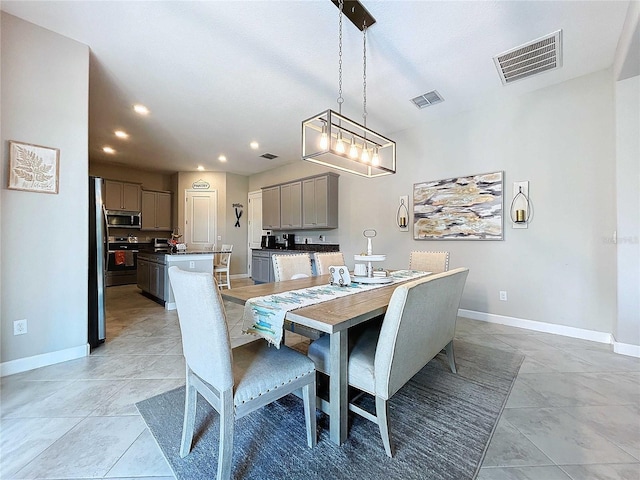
(291, 206)
(156, 210)
(320, 201)
(271, 208)
(308, 203)
(122, 196)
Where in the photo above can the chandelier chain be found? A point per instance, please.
(364, 73)
(340, 99)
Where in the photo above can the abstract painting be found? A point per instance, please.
(33, 168)
(459, 208)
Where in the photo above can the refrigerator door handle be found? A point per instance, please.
(105, 240)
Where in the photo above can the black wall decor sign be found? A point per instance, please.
(238, 208)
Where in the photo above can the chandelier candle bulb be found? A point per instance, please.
(323, 139)
(353, 150)
(340, 143)
(365, 155)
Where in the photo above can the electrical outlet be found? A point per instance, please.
(20, 327)
(192, 264)
(503, 295)
(321, 237)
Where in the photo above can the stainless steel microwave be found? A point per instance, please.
(123, 219)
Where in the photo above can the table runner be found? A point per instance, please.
(264, 316)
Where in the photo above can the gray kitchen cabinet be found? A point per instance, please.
(122, 196)
(151, 274)
(156, 210)
(261, 268)
(156, 280)
(320, 202)
(271, 208)
(308, 203)
(142, 278)
(291, 206)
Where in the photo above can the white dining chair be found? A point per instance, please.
(235, 382)
(221, 263)
(326, 259)
(291, 267)
(420, 322)
(434, 262)
(286, 266)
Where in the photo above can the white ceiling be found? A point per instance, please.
(219, 74)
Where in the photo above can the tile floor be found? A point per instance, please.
(574, 411)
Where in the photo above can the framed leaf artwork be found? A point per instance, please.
(33, 168)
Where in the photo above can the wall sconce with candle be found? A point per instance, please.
(520, 210)
(402, 215)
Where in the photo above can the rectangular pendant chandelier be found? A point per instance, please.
(332, 140)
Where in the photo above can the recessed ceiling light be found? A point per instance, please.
(121, 134)
(254, 145)
(222, 158)
(141, 109)
(108, 150)
(200, 168)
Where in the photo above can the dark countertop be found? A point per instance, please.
(193, 252)
(305, 248)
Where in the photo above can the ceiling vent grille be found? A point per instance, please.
(530, 59)
(269, 156)
(427, 99)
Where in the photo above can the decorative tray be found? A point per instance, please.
(370, 258)
(358, 279)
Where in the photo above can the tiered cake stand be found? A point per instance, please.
(369, 278)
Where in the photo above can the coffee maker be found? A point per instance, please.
(268, 241)
(289, 241)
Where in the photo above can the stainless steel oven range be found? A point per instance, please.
(122, 260)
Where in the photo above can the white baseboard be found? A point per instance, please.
(626, 349)
(29, 363)
(592, 335)
(240, 275)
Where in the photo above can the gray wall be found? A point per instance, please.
(44, 236)
(628, 201)
(237, 192)
(562, 269)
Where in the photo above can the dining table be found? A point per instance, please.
(333, 317)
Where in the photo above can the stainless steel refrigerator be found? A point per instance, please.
(97, 263)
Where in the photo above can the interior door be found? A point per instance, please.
(201, 213)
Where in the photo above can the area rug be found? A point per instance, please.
(441, 425)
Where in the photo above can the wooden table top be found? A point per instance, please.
(330, 316)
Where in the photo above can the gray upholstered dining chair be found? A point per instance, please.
(434, 262)
(420, 321)
(235, 382)
(288, 266)
(326, 259)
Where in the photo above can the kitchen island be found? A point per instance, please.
(153, 278)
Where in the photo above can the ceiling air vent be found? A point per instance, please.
(527, 60)
(427, 99)
(269, 156)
